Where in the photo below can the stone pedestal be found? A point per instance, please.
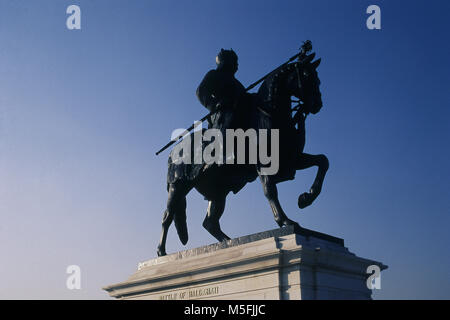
(280, 264)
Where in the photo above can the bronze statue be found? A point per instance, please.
(220, 92)
(232, 107)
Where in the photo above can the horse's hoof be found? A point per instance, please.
(289, 222)
(292, 223)
(183, 238)
(304, 200)
(161, 252)
(297, 227)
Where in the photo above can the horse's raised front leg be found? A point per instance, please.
(176, 209)
(271, 193)
(306, 161)
(211, 222)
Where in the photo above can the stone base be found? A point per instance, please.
(280, 264)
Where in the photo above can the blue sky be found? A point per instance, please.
(83, 112)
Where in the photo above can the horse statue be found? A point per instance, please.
(270, 108)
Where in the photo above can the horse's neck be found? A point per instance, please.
(282, 106)
(275, 99)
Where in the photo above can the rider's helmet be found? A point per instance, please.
(227, 60)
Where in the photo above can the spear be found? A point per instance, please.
(305, 48)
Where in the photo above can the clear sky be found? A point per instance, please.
(82, 113)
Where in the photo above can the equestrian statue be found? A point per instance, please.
(231, 106)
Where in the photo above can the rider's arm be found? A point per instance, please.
(205, 91)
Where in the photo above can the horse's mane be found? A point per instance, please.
(270, 86)
(268, 95)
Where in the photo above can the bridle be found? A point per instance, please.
(274, 88)
(299, 85)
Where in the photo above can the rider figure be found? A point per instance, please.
(220, 90)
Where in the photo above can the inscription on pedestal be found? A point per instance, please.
(190, 294)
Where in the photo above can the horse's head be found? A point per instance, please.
(303, 83)
(298, 79)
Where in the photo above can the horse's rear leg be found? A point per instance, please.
(306, 161)
(167, 220)
(211, 222)
(176, 210)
